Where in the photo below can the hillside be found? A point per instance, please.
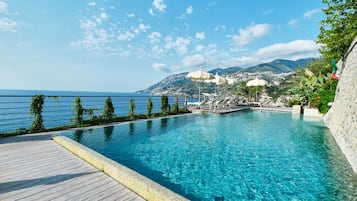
(178, 84)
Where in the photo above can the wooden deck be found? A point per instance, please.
(33, 167)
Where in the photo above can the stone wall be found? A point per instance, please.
(342, 116)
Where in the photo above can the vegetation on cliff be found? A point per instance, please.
(315, 86)
(339, 28)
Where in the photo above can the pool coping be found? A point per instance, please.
(136, 182)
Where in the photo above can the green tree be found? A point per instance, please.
(339, 28)
(36, 110)
(176, 108)
(108, 112)
(308, 85)
(131, 113)
(325, 95)
(149, 107)
(78, 112)
(245, 91)
(165, 107)
(319, 66)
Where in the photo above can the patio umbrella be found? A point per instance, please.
(200, 75)
(255, 83)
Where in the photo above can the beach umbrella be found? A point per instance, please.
(200, 75)
(255, 83)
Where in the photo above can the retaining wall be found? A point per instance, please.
(342, 116)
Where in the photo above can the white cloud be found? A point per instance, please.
(310, 13)
(96, 39)
(3, 7)
(127, 36)
(294, 23)
(140, 28)
(294, 50)
(160, 67)
(189, 10)
(151, 11)
(154, 37)
(104, 16)
(179, 44)
(7, 25)
(143, 27)
(100, 18)
(268, 12)
(195, 60)
(157, 51)
(130, 15)
(212, 51)
(200, 35)
(220, 27)
(251, 33)
(92, 3)
(199, 47)
(159, 5)
(87, 24)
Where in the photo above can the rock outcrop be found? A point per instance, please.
(342, 116)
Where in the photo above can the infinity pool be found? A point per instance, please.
(237, 156)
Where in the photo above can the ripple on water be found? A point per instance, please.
(239, 156)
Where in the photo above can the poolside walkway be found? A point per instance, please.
(219, 110)
(33, 167)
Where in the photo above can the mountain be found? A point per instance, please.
(178, 84)
(229, 70)
(278, 66)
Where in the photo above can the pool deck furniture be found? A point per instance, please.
(33, 167)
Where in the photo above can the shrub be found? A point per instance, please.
(176, 108)
(131, 113)
(36, 110)
(78, 112)
(108, 112)
(326, 94)
(149, 107)
(165, 107)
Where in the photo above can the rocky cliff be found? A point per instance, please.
(178, 84)
(342, 116)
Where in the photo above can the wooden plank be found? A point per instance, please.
(35, 168)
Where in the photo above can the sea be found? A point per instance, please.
(58, 106)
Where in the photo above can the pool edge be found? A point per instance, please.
(136, 182)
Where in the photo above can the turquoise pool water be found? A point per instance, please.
(237, 156)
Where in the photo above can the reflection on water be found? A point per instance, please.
(77, 135)
(238, 156)
(131, 128)
(164, 122)
(149, 125)
(108, 131)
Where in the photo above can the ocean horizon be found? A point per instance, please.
(58, 106)
(58, 92)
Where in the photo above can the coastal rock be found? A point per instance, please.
(342, 116)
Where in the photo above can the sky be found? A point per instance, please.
(128, 45)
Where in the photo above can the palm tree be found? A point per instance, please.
(248, 92)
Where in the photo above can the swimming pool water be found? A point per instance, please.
(237, 156)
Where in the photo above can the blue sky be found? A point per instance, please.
(127, 45)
